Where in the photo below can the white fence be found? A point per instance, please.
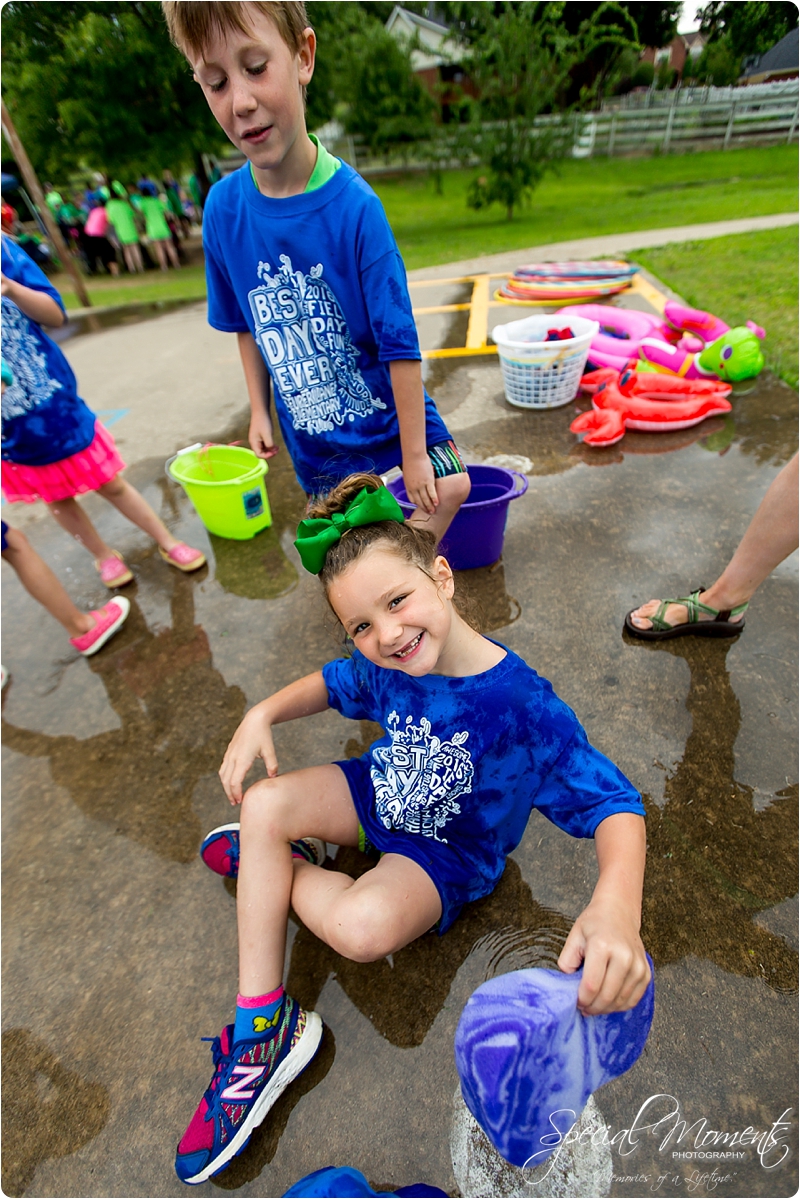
(692, 119)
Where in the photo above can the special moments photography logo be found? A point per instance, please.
(679, 1139)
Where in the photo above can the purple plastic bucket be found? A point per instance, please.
(475, 538)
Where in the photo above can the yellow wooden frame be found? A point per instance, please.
(481, 301)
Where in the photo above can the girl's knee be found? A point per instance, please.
(359, 929)
(266, 806)
(113, 487)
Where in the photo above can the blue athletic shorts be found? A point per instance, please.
(450, 871)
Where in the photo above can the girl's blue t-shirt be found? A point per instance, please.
(465, 760)
(319, 282)
(44, 418)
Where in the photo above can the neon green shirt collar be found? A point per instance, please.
(325, 168)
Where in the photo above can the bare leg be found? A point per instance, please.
(74, 520)
(113, 268)
(453, 491)
(172, 254)
(131, 504)
(39, 581)
(362, 919)
(136, 252)
(158, 246)
(274, 812)
(771, 536)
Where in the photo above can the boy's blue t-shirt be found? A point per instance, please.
(319, 282)
(463, 763)
(44, 418)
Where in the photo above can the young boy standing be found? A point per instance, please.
(303, 267)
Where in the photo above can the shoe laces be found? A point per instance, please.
(220, 1059)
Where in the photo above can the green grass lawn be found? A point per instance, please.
(753, 276)
(587, 197)
(188, 283)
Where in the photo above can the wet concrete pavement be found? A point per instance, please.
(119, 947)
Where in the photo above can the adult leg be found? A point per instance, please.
(313, 802)
(39, 581)
(453, 491)
(74, 520)
(136, 252)
(771, 536)
(131, 504)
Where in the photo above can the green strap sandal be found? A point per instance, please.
(720, 624)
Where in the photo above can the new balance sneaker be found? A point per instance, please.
(249, 1076)
(220, 850)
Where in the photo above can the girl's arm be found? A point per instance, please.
(38, 305)
(253, 738)
(605, 937)
(256, 376)
(409, 400)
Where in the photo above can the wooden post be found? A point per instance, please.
(794, 123)
(729, 130)
(611, 135)
(34, 187)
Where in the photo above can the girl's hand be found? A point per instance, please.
(605, 938)
(252, 739)
(261, 437)
(420, 483)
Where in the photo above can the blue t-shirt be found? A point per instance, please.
(44, 418)
(319, 282)
(463, 763)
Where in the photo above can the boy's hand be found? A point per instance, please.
(420, 482)
(260, 436)
(605, 938)
(252, 739)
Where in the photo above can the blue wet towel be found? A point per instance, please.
(344, 1182)
(524, 1052)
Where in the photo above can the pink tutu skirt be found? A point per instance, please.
(85, 471)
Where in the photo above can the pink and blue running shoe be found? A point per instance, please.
(249, 1077)
(220, 850)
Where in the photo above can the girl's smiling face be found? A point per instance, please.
(396, 615)
(253, 84)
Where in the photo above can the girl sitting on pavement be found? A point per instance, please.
(474, 740)
(54, 448)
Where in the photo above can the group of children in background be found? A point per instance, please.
(303, 268)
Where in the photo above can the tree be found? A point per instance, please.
(387, 105)
(99, 85)
(522, 65)
(750, 27)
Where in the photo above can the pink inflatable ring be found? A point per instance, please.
(621, 332)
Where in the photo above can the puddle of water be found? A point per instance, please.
(48, 1110)
(715, 861)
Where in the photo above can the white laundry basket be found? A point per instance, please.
(538, 373)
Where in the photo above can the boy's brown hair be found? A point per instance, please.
(192, 24)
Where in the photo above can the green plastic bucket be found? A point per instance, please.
(226, 485)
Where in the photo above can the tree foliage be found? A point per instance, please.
(388, 107)
(523, 66)
(749, 27)
(99, 85)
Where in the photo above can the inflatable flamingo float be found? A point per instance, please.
(652, 403)
(688, 343)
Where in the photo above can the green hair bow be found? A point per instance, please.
(315, 537)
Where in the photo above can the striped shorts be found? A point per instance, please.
(446, 459)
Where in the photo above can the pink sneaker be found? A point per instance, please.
(113, 571)
(107, 621)
(184, 557)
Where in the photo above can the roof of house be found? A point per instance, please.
(434, 45)
(783, 56)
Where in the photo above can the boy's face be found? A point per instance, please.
(253, 84)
